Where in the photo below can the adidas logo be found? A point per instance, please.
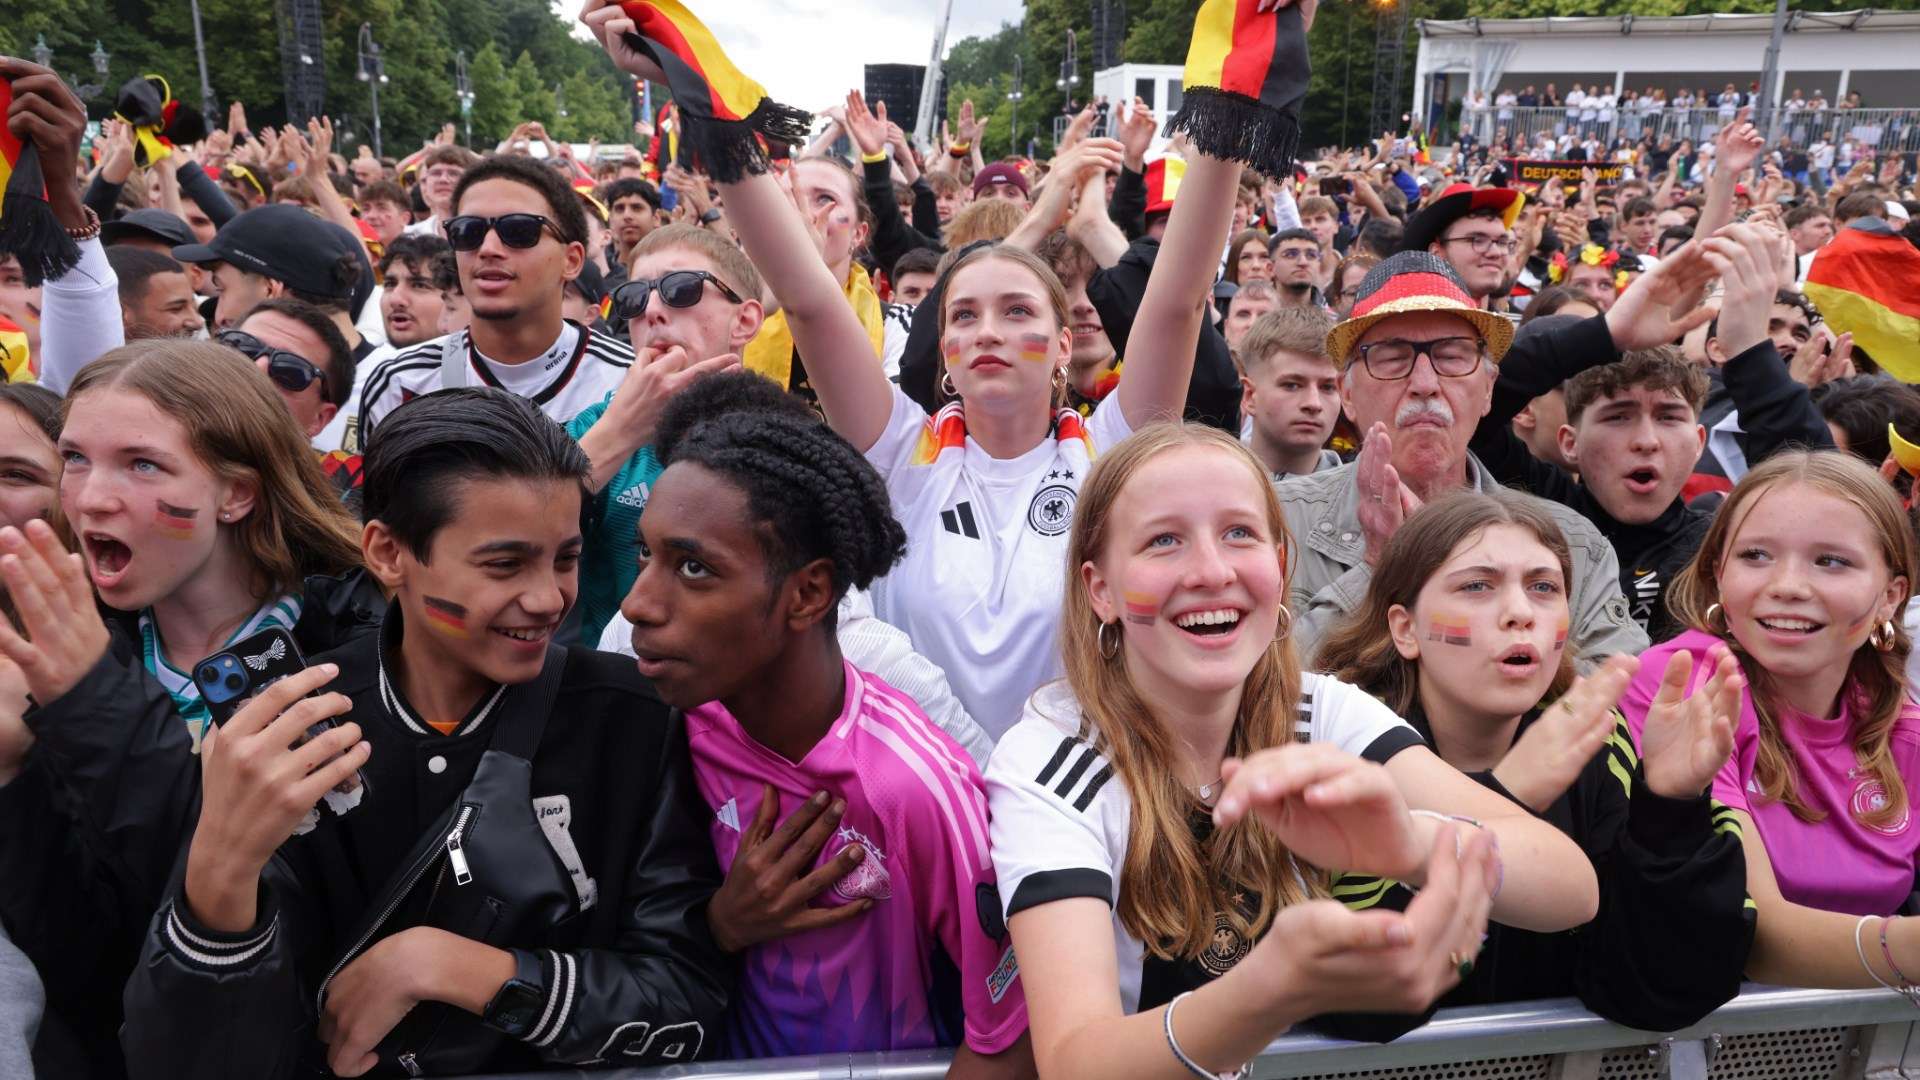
(729, 815)
(636, 497)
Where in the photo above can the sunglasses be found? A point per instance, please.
(289, 371)
(679, 289)
(467, 232)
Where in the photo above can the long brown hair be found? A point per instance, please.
(1049, 281)
(1876, 680)
(239, 427)
(1359, 649)
(1173, 887)
(1239, 244)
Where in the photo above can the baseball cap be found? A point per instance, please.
(999, 173)
(282, 242)
(147, 224)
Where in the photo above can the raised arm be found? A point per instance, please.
(1734, 150)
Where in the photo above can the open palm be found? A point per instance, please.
(1688, 737)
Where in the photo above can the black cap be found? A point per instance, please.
(591, 283)
(283, 242)
(147, 225)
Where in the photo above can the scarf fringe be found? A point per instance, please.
(1234, 127)
(728, 150)
(29, 229)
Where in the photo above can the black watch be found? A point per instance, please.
(710, 216)
(517, 1005)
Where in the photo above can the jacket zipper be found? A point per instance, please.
(411, 1064)
(393, 902)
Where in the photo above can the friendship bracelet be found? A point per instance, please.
(1499, 864)
(875, 158)
(1861, 951)
(1193, 1066)
(1887, 951)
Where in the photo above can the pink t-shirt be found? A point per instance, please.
(916, 803)
(1838, 863)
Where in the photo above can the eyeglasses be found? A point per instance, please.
(290, 371)
(467, 232)
(1391, 361)
(678, 289)
(1483, 243)
(1297, 254)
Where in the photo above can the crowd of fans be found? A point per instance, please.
(477, 613)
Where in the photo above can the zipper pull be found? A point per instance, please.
(410, 1063)
(457, 858)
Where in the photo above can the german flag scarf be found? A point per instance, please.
(724, 114)
(1246, 76)
(16, 361)
(770, 353)
(159, 122)
(1862, 281)
(29, 230)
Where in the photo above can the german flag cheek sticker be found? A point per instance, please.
(1142, 609)
(951, 350)
(1035, 347)
(1450, 630)
(445, 616)
(174, 522)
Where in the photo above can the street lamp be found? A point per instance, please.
(1069, 68)
(373, 72)
(560, 100)
(1013, 124)
(463, 87)
(43, 56)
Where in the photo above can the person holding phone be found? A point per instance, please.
(525, 882)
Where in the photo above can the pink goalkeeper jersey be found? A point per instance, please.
(916, 803)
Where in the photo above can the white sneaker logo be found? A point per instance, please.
(729, 815)
(635, 496)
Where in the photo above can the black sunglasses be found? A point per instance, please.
(468, 231)
(680, 289)
(289, 371)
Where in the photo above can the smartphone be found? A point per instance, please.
(1335, 185)
(237, 674)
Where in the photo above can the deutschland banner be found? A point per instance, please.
(1527, 171)
(1862, 283)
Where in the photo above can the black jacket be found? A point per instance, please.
(583, 851)
(1213, 393)
(1671, 937)
(1775, 411)
(107, 796)
(892, 235)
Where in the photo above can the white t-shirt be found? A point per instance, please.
(979, 591)
(579, 369)
(334, 435)
(1060, 818)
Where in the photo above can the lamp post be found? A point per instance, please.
(1013, 124)
(43, 55)
(373, 72)
(463, 87)
(560, 100)
(208, 106)
(1069, 68)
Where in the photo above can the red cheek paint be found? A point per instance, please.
(1560, 636)
(445, 616)
(1142, 609)
(175, 522)
(951, 348)
(1450, 630)
(1035, 347)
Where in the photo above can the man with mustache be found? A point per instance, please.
(1417, 360)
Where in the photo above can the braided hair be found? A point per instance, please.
(815, 495)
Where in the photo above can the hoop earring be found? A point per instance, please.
(1285, 628)
(1883, 636)
(946, 385)
(1109, 646)
(1714, 609)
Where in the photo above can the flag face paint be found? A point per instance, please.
(1450, 630)
(445, 616)
(1034, 347)
(1141, 608)
(1560, 636)
(174, 522)
(951, 349)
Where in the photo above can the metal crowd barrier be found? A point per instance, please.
(1887, 130)
(1767, 1033)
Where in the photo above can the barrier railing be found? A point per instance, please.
(1767, 1033)
(1886, 130)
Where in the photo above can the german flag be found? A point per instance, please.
(1246, 76)
(16, 358)
(1862, 282)
(724, 112)
(159, 122)
(29, 230)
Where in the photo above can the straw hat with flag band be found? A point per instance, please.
(159, 122)
(1415, 281)
(29, 229)
(1454, 203)
(1245, 78)
(724, 113)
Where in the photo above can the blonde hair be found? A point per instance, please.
(1876, 681)
(1295, 329)
(1360, 650)
(1173, 886)
(238, 426)
(729, 262)
(983, 219)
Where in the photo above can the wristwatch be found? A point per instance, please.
(516, 1006)
(709, 216)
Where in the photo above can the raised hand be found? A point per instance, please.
(610, 25)
(1330, 808)
(767, 890)
(1385, 502)
(1548, 757)
(1644, 315)
(64, 637)
(867, 129)
(1136, 133)
(1741, 256)
(1077, 128)
(970, 129)
(1737, 145)
(1688, 737)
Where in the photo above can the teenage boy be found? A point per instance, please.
(410, 301)
(519, 235)
(1291, 390)
(689, 309)
(1754, 404)
(1296, 267)
(523, 883)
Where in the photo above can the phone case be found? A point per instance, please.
(236, 674)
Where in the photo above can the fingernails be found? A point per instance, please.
(819, 799)
(1398, 934)
(330, 670)
(839, 807)
(855, 853)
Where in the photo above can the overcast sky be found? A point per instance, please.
(809, 53)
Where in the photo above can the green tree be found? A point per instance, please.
(532, 92)
(496, 102)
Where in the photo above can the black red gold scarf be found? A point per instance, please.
(1246, 76)
(28, 228)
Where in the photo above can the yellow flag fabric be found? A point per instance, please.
(16, 362)
(1246, 76)
(770, 353)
